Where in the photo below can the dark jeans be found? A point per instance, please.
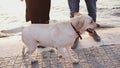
(91, 7)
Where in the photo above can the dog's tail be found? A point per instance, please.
(15, 30)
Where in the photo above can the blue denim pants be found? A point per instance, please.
(91, 7)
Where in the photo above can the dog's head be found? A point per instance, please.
(83, 22)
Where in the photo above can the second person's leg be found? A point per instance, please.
(91, 7)
(73, 6)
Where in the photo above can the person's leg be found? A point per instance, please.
(44, 11)
(38, 11)
(42, 8)
(73, 6)
(91, 7)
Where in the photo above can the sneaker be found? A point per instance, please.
(98, 25)
(95, 36)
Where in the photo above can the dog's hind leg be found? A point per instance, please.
(31, 45)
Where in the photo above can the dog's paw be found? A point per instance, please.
(35, 61)
(34, 64)
(3, 31)
(2, 35)
(75, 61)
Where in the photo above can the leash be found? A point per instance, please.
(78, 33)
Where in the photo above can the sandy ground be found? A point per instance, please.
(12, 15)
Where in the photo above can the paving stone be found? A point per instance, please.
(94, 57)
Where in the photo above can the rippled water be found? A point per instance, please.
(13, 11)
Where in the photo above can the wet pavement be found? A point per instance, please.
(93, 57)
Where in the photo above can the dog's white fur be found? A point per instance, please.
(59, 35)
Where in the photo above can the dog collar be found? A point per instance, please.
(78, 33)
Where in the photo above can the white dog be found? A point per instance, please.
(60, 35)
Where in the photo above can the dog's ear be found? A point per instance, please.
(78, 17)
(77, 21)
(80, 23)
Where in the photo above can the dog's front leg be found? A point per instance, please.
(62, 51)
(72, 58)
